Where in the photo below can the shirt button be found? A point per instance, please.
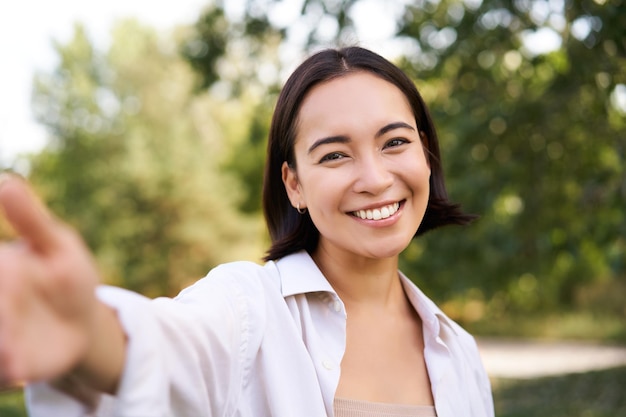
(337, 306)
(327, 364)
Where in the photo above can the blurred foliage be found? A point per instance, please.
(534, 141)
(238, 53)
(581, 324)
(591, 394)
(237, 57)
(134, 162)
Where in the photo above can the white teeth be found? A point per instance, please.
(377, 214)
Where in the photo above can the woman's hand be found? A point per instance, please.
(51, 324)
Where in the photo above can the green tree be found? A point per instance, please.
(134, 162)
(237, 59)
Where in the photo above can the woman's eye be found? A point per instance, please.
(333, 156)
(395, 142)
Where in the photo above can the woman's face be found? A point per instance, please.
(361, 168)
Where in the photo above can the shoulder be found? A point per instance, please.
(242, 270)
(240, 281)
(238, 294)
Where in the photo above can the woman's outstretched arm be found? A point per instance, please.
(52, 326)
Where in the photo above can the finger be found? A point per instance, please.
(27, 214)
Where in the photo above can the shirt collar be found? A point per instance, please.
(431, 315)
(299, 274)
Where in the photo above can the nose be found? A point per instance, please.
(373, 175)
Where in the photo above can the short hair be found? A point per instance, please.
(291, 231)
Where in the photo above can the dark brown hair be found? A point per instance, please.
(291, 231)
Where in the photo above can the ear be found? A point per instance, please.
(292, 185)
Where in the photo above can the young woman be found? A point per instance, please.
(327, 326)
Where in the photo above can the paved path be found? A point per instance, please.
(531, 359)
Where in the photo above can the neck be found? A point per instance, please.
(362, 282)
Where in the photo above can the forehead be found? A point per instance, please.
(358, 99)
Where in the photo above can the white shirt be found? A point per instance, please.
(250, 341)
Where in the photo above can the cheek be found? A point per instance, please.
(414, 167)
(316, 186)
(420, 172)
(324, 190)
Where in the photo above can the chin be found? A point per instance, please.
(386, 253)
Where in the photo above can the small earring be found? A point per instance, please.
(301, 211)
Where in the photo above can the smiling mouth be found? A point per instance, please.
(377, 213)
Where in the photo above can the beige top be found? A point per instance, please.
(356, 408)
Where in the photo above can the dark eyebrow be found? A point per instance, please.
(392, 126)
(330, 139)
(345, 139)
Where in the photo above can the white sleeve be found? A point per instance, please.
(185, 356)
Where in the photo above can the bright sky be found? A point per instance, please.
(26, 30)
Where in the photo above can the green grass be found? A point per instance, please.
(591, 394)
(12, 404)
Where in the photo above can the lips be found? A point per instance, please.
(377, 213)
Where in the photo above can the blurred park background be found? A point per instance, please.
(155, 148)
